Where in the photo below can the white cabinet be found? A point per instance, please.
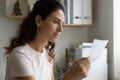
(99, 67)
(82, 12)
(98, 70)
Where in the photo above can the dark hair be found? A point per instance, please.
(28, 28)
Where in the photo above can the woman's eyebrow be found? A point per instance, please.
(57, 18)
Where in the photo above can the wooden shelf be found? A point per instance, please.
(16, 17)
(76, 25)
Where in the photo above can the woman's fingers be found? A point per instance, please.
(79, 69)
(84, 66)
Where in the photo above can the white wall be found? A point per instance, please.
(103, 28)
(117, 38)
(70, 36)
(8, 27)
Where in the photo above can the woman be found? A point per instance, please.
(30, 55)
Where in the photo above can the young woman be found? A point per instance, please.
(30, 55)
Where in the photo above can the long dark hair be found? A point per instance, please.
(28, 28)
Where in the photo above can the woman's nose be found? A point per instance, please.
(60, 28)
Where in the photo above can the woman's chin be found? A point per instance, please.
(53, 40)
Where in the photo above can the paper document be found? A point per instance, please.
(97, 48)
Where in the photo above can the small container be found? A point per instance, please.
(70, 56)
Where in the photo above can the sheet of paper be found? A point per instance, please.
(97, 48)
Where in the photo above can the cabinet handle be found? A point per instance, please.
(87, 17)
(77, 17)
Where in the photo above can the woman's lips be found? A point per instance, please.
(56, 35)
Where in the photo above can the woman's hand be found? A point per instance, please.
(78, 70)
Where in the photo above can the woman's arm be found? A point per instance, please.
(26, 78)
(53, 77)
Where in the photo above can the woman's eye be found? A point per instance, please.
(56, 22)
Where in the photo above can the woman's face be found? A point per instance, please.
(52, 26)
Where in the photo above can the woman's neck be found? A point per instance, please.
(38, 46)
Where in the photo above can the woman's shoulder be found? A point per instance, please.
(21, 48)
(18, 52)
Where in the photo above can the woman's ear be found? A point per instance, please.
(38, 20)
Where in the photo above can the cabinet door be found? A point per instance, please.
(87, 12)
(77, 12)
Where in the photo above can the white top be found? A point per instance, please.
(25, 61)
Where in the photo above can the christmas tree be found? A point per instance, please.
(16, 9)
